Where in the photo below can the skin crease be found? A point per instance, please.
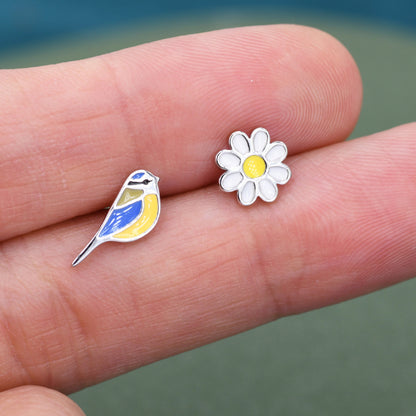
(334, 232)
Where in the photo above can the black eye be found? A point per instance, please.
(145, 182)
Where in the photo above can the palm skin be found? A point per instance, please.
(334, 233)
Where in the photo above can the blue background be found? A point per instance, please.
(23, 22)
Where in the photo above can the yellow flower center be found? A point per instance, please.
(254, 166)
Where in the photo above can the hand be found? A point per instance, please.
(71, 133)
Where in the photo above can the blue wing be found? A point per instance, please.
(121, 217)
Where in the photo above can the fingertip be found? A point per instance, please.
(37, 401)
(347, 76)
(322, 67)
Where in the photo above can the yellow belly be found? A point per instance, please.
(145, 221)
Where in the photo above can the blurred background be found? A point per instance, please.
(354, 358)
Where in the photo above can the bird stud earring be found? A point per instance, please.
(253, 166)
(133, 215)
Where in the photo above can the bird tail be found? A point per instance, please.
(87, 250)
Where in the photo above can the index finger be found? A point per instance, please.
(71, 133)
(212, 269)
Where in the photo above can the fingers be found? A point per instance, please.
(343, 226)
(71, 133)
(37, 401)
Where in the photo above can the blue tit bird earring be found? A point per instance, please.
(133, 214)
(253, 166)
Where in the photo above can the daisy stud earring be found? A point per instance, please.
(253, 166)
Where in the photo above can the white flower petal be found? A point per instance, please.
(281, 173)
(229, 181)
(247, 195)
(267, 190)
(260, 139)
(277, 152)
(239, 143)
(228, 160)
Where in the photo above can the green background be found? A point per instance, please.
(354, 358)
